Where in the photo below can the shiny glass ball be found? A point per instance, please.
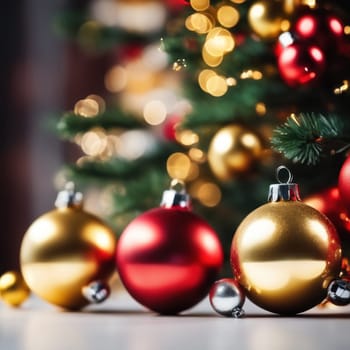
(284, 254)
(65, 250)
(339, 292)
(13, 289)
(168, 258)
(226, 296)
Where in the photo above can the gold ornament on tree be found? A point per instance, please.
(13, 289)
(285, 253)
(268, 18)
(233, 151)
(67, 255)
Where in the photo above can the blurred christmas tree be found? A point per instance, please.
(214, 93)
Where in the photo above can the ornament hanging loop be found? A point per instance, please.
(178, 186)
(278, 174)
(283, 191)
(176, 196)
(69, 197)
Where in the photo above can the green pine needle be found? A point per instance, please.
(71, 124)
(305, 138)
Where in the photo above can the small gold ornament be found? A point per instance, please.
(13, 290)
(268, 18)
(65, 250)
(233, 151)
(286, 253)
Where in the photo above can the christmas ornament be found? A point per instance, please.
(168, 257)
(285, 253)
(177, 5)
(328, 202)
(13, 289)
(344, 183)
(65, 250)
(227, 298)
(301, 63)
(170, 125)
(339, 292)
(268, 18)
(320, 27)
(233, 151)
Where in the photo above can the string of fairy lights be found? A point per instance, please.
(268, 19)
(100, 144)
(143, 85)
(214, 22)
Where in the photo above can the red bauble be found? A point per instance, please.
(169, 127)
(168, 258)
(344, 183)
(329, 203)
(319, 26)
(344, 48)
(301, 64)
(177, 5)
(129, 52)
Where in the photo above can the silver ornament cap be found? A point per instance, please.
(176, 196)
(283, 191)
(69, 197)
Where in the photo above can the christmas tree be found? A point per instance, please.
(216, 94)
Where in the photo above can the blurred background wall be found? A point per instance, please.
(34, 70)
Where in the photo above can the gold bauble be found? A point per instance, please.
(64, 251)
(233, 151)
(285, 254)
(13, 290)
(268, 18)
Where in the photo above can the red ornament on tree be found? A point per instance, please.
(301, 64)
(329, 203)
(320, 27)
(344, 183)
(169, 127)
(168, 257)
(177, 5)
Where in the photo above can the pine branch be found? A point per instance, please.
(71, 124)
(117, 169)
(308, 137)
(134, 186)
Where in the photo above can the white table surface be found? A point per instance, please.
(120, 323)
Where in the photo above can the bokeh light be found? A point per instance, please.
(116, 79)
(87, 107)
(178, 166)
(228, 16)
(155, 112)
(200, 5)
